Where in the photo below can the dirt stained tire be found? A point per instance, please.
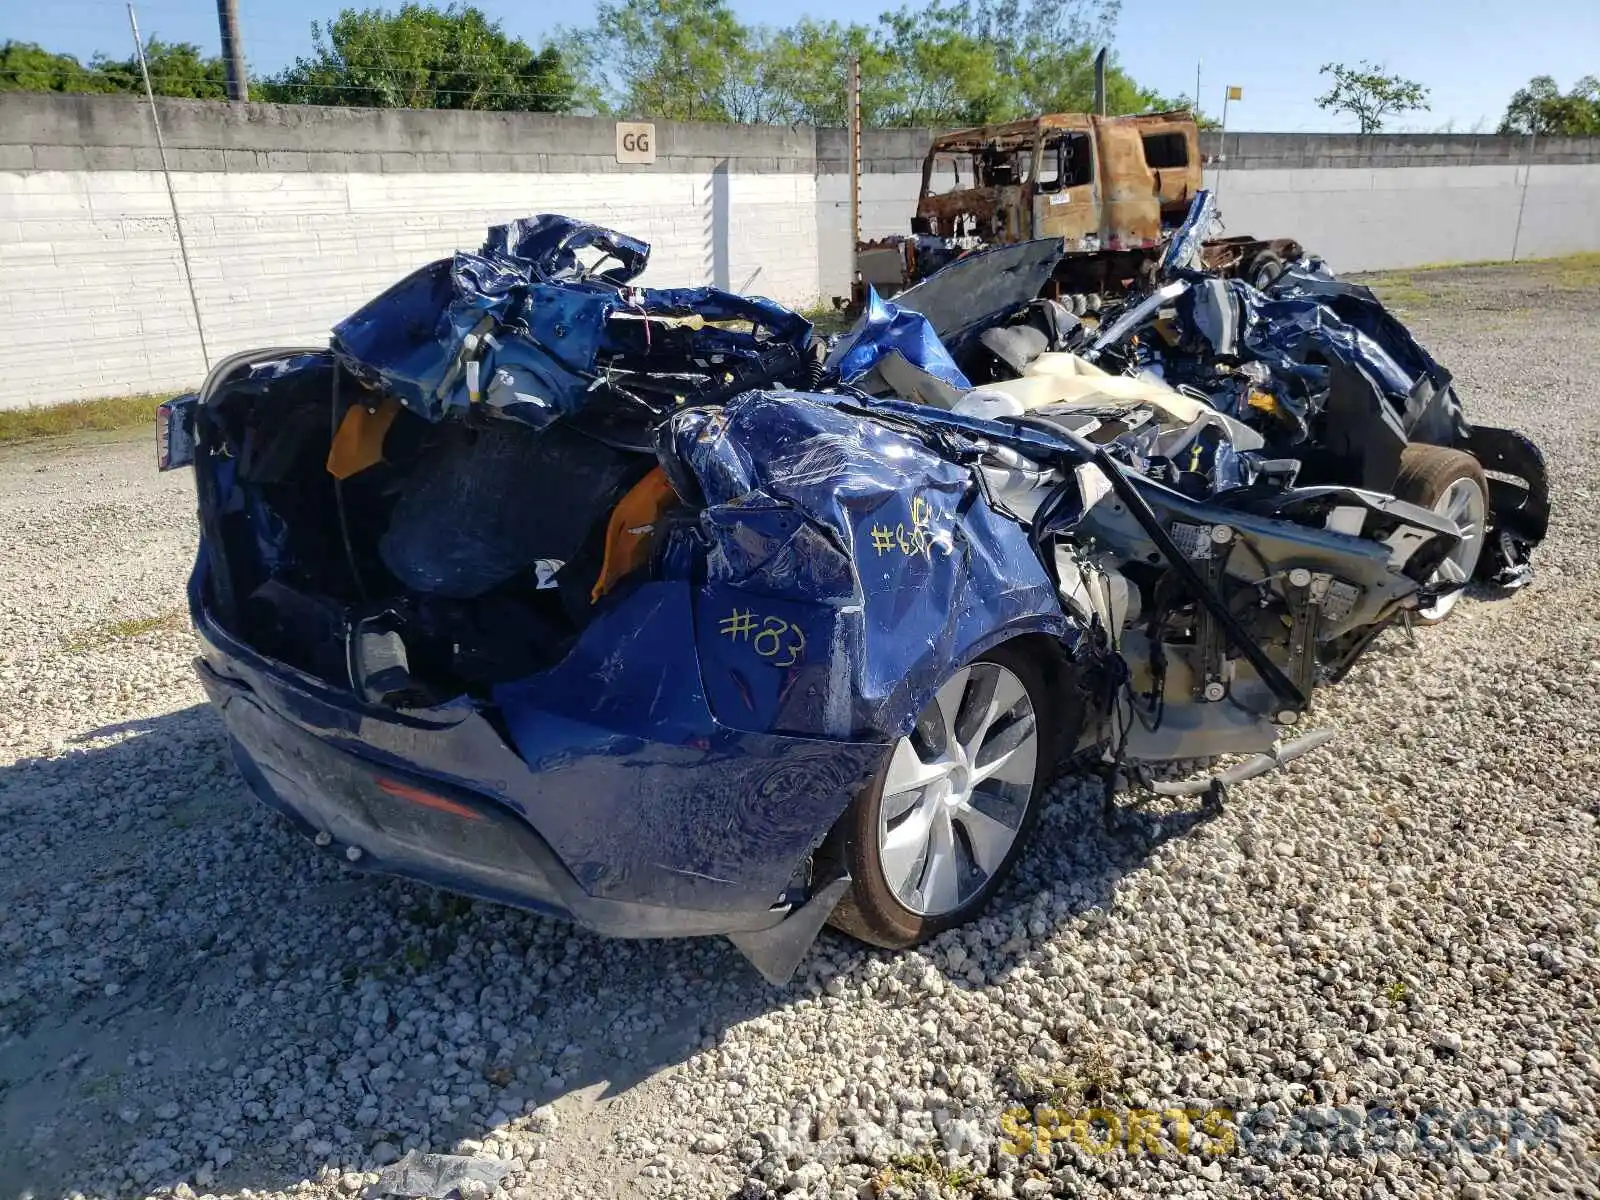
(1451, 483)
(972, 772)
(1264, 270)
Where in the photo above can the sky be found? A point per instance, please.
(1270, 48)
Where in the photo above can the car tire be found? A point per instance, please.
(978, 808)
(1264, 270)
(1452, 484)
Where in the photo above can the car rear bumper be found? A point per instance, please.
(624, 836)
(381, 819)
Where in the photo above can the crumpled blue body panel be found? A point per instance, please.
(1355, 318)
(545, 337)
(844, 570)
(1183, 251)
(1305, 322)
(884, 328)
(1283, 333)
(550, 244)
(723, 713)
(666, 802)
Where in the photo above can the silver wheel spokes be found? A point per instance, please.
(1462, 502)
(957, 789)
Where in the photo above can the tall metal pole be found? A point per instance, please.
(1197, 64)
(172, 197)
(233, 50)
(1222, 141)
(853, 103)
(1527, 171)
(1100, 83)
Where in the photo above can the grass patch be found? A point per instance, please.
(1416, 286)
(1400, 291)
(1578, 271)
(827, 318)
(128, 628)
(1588, 260)
(78, 416)
(907, 1171)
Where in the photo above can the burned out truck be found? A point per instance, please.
(1111, 187)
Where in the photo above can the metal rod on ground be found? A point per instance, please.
(172, 197)
(233, 50)
(853, 105)
(1100, 83)
(1527, 172)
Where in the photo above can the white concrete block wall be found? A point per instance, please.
(1374, 219)
(93, 300)
(887, 201)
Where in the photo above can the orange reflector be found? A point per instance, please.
(631, 530)
(358, 444)
(428, 800)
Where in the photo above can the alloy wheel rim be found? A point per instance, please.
(957, 790)
(1463, 503)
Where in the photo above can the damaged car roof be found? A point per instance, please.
(543, 322)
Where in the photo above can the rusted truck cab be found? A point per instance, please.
(1111, 187)
(1102, 183)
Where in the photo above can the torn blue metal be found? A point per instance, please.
(673, 772)
(1349, 384)
(520, 327)
(843, 567)
(883, 328)
(1305, 320)
(1183, 251)
(1430, 409)
(550, 244)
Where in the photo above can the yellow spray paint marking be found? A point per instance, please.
(777, 641)
(919, 538)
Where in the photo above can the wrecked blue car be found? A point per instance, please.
(642, 608)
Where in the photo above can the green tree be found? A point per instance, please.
(944, 63)
(1542, 108)
(26, 67)
(667, 58)
(807, 66)
(680, 60)
(419, 57)
(940, 72)
(176, 69)
(1370, 95)
(941, 63)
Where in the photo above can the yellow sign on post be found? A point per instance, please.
(1235, 93)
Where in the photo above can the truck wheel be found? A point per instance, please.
(932, 838)
(1452, 484)
(1264, 270)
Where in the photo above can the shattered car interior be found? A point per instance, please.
(652, 609)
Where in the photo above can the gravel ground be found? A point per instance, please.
(192, 1001)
